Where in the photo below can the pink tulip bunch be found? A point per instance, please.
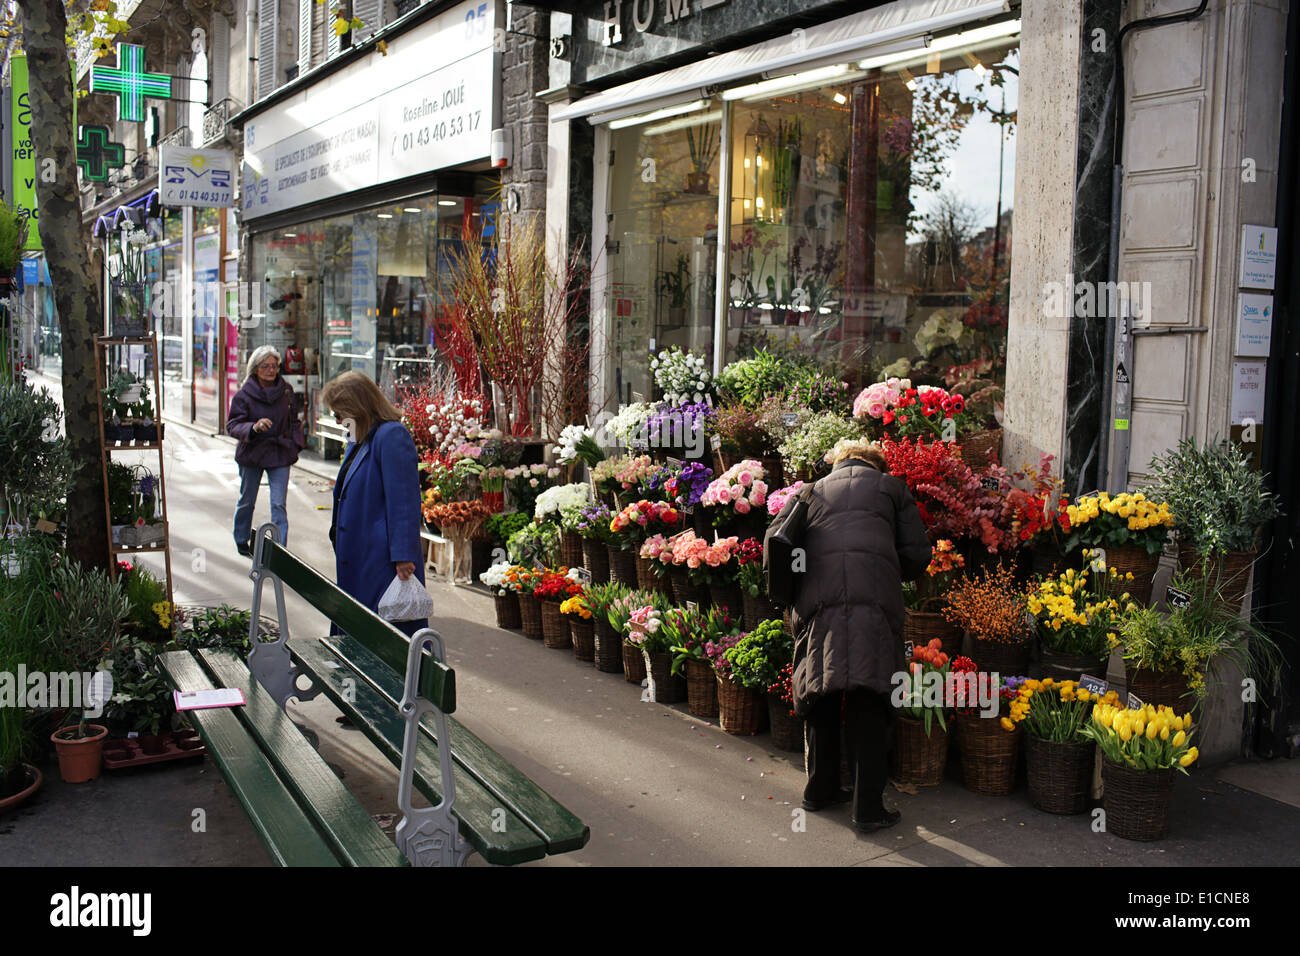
(740, 488)
(644, 622)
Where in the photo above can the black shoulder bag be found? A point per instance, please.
(783, 578)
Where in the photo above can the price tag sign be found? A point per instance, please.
(692, 606)
(789, 419)
(908, 650)
(583, 575)
(1175, 597)
(1093, 685)
(715, 442)
(675, 464)
(689, 509)
(640, 444)
(47, 527)
(990, 483)
(1134, 701)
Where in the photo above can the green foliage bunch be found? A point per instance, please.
(758, 657)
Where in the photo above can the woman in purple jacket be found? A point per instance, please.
(270, 437)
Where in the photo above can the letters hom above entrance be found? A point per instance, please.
(641, 14)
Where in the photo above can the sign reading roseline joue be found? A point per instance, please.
(308, 148)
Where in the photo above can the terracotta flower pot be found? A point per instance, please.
(33, 778)
(80, 760)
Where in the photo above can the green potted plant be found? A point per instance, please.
(13, 237)
(675, 283)
(144, 527)
(128, 298)
(90, 609)
(1219, 503)
(123, 392)
(688, 630)
(756, 664)
(142, 700)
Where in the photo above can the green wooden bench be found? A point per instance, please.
(399, 693)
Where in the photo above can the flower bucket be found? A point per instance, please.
(974, 449)
(1070, 666)
(555, 627)
(584, 638)
(686, 591)
(622, 566)
(787, 729)
(571, 549)
(648, 580)
(80, 760)
(665, 686)
(596, 560)
(738, 708)
(495, 500)
(756, 610)
(1159, 688)
(920, 758)
(507, 606)
(608, 647)
(1228, 572)
(728, 596)
(1006, 659)
(1136, 801)
(530, 616)
(1060, 773)
(633, 664)
(988, 755)
(1130, 558)
(923, 625)
(701, 689)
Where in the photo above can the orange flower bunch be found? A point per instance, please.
(456, 512)
(990, 606)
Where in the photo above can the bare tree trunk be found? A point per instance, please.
(76, 293)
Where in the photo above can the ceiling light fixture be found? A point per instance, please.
(789, 84)
(908, 79)
(954, 41)
(664, 113)
(974, 63)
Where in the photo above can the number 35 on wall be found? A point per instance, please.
(476, 21)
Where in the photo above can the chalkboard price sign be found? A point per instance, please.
(1177, 598)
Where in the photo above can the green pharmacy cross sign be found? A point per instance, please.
(130, 82)
(95, 154)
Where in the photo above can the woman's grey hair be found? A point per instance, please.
(260, 354)
(859, 448)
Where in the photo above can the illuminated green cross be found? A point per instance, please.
(130, 82)
(95, 154)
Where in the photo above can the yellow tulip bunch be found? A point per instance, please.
(1103, 520)
(1151, 738)
(1057, 710)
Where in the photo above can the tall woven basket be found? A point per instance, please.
(728, 596)
(571, 549)
(633, 664)
(597, 560)
(701, 689)
(1136, 801)
(738, 708)
(555, 626)
(757, 610)
(1159, 688)
(1131, 558)
(622, 565)
(787, 729)
(507, 607)
(1071, 666)
(1060, 773)
(974, 449)
(988, 755)
(1006, 659)
(608, 646)
(686, 591)
(530, 616)
(926, 623)
(1229, 573)
(665, 686)
(648, 580)
(920, 758)
(583, 632)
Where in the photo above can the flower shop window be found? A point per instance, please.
(870, 220)
(661, 248)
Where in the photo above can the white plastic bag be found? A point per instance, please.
(405, 601)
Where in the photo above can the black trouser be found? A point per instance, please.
(866, 725)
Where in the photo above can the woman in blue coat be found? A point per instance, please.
(376, 526)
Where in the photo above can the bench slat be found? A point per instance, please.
(560, 829)
(437, 680)
(357, 839)
(375, 714)
(278, 820)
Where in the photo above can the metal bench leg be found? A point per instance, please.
(269, 661)
(427, 836)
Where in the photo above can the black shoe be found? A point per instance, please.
(890, 818)
(244, 549)
(843, 796)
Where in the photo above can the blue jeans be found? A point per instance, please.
(250, 479)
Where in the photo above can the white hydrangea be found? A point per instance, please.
(562, 498)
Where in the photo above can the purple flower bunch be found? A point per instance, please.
(593, 522)
(668, 425)
(689, 485)
(716, 652)
(818, 392)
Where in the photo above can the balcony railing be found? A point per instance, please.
(180, 136)
(216, 120)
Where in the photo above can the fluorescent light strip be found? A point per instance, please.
(788, 84)
(686, 122)
(664, 113)
(952, 42)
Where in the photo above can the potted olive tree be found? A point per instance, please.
(1219, 504)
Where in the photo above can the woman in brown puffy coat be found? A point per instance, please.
(862, 539)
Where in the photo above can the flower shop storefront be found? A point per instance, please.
(853, 211)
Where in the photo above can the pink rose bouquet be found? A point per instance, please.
(779, 498)
(738, 491)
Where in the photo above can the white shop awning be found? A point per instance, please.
(893, 28)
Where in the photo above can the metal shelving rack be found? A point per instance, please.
(104, 345)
